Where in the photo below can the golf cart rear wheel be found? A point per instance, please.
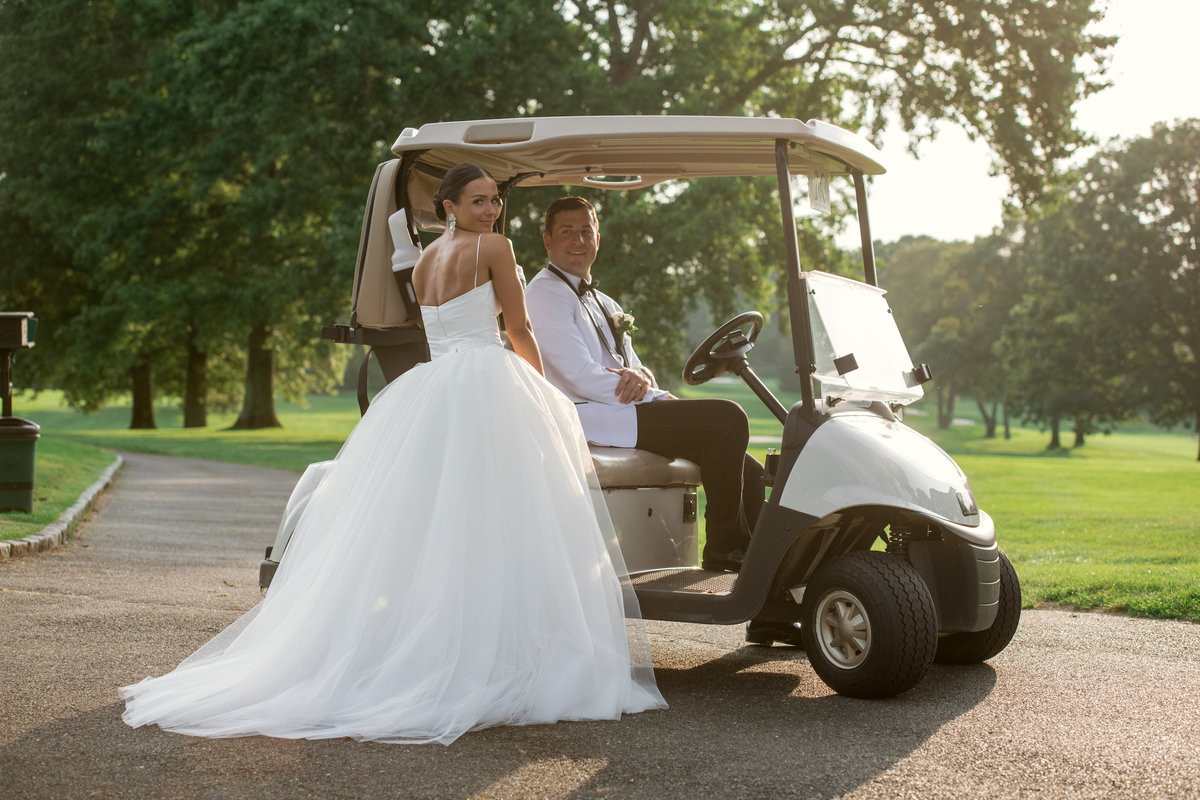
(971, 648)
(870, 627)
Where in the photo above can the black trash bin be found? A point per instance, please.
(18, 439)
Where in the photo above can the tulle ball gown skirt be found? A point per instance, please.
(450, 573)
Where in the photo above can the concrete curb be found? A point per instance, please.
(56, 532)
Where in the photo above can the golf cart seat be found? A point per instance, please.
(627, 468)
(652, 502)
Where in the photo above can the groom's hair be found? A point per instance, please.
(569, 203)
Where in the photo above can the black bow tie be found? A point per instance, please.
(584, 286)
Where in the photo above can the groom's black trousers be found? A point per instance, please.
(714, 434)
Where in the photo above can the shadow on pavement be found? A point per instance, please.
(752, 723)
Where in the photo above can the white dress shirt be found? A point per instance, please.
(575, 358)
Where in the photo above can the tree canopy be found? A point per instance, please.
(183, 180)
(1082, 310)
(1142, 200)
(1008, 71)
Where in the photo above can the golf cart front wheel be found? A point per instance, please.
(870, 627)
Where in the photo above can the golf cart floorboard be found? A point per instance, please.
(686, 579)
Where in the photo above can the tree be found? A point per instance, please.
(1009, 71)
(1063, 357)
(224, 163)
(1144, 199)
(251, 118)
(248, 130)
(987, 284)
(59, 58)
(1109, 325)
(227, 145)
(926, 291)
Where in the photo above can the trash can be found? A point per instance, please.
(18, 439)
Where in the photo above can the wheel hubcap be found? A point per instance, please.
(843, 629)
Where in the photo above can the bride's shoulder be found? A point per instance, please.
(493, 239)
(495, 245)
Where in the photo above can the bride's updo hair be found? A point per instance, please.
(453, 184)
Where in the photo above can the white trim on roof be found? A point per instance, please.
(636, 150)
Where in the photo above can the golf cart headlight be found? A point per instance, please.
(966, 502)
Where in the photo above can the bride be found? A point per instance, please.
(456, 569)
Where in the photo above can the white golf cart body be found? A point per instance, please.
(849, 473)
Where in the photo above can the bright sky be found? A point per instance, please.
(949, 194)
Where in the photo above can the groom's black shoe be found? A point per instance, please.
(722, 562)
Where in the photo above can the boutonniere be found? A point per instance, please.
(624, 323)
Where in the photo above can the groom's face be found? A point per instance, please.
(573, 242)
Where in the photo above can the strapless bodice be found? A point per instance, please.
(463, 322)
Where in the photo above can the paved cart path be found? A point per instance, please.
(1080, 705)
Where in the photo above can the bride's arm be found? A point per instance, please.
(503, 267)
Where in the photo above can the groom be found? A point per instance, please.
(584, 339)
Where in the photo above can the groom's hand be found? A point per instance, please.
(632, 386)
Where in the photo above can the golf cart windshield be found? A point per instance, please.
(858, 349)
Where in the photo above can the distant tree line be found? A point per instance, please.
(1083, 310)
(181, 181)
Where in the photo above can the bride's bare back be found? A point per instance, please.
(452, 267)
(449, 268)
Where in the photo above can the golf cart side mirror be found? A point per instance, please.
(920, 374)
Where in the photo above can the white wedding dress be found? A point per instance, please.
(456, 569)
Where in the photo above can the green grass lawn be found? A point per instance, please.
(63, 470)
(1112, 525)
(311, 433)
(75, 448)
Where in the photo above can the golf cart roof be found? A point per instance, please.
(629, 152)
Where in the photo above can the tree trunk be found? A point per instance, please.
(143, 397)
(195, 392)
(1079, 427)
(1055, 443)
(989, 420)
(1007, 425)
(1197, 427)
(258, 405)
(945, 395)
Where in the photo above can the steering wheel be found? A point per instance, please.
(720, 351)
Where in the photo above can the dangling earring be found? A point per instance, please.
(453, 224)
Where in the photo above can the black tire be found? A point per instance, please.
(887, 607)
(972, 648)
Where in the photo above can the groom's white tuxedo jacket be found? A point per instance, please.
(575, 358)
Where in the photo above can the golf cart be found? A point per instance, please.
(870, 541)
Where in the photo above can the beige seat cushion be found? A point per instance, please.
(625, 467)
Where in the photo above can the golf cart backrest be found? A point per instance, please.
(384, 310)
(379, 300)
